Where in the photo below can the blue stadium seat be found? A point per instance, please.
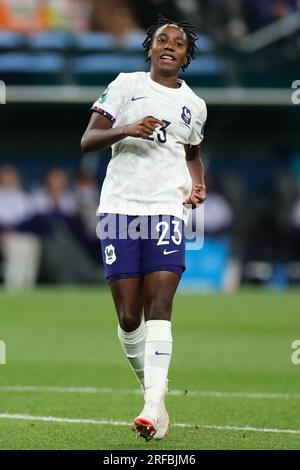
(133, 42)
(54, 41)
(102, 68)
(205, 66)
(14, 62)
(24, 68)
(95, 42)
(15, 68)
(205, 44)
(206, 71)
(11, 41)
(47, 69)
(53, 63)
(97, 63)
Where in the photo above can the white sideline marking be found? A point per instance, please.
(53, 419)
(192, 393)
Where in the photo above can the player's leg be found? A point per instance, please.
(158, 294)
(159, 290)
(127, 296)
(128, 300)
(163, 265)
(121, 257)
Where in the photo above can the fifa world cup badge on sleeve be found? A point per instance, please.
(103, 97)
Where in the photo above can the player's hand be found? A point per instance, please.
(197, 196)
(143, 128)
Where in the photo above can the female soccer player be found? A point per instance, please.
(154, 123)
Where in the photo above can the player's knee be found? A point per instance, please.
(159, 309)
(129, 322)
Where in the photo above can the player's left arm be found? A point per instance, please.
(196, 169)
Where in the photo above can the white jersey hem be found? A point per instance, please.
(182, 214)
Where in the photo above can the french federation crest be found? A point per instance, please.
(110, 254)
(186, 115)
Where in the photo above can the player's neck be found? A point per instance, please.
(170, 82)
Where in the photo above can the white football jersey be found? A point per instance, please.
(150, 176)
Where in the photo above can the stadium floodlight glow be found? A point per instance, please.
(296, 94)
(2, 92)
(2, 352)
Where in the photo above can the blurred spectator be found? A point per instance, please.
(216, 18)
(218, 248)
(147, 12)
(219, 222)
(65, 259)
(234, 189)
(223, 20)
(19, 246)
(218, 216)
(44, 15)
(283, 197)
(295, 216)
(55, 197)
(269, 216)
(115, 17)
(259, 13)
(87, 199)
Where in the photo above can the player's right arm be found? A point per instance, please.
(100, 134)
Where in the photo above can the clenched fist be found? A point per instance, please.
(197, 196)
(143, 128)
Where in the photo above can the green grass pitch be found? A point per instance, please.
(231, 370)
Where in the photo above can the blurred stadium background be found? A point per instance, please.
(234, 383)
(57, 56)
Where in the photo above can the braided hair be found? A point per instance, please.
(189, 30)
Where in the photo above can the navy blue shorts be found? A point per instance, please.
(134, 246)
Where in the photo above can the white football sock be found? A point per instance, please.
(133, 345)
(158, 351)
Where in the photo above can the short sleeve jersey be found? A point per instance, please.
(150, 176)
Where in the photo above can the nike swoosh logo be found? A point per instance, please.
(162, 354)
(139, 98)
(169, 252)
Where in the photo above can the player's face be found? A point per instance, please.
(168, 50)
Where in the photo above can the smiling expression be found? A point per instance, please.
(169, 49)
